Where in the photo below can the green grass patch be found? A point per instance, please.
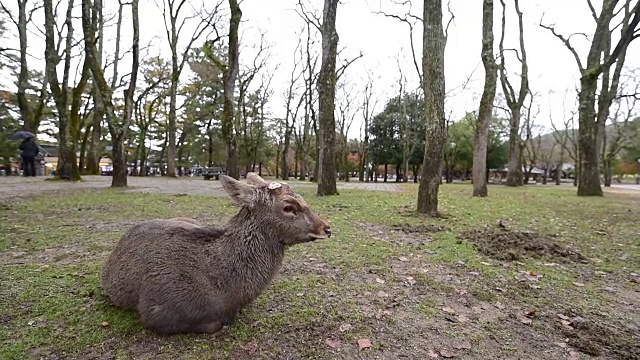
(53, 246)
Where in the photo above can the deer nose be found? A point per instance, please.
(327, 230)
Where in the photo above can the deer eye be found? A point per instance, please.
(289, 209)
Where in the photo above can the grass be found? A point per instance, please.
(52, 248)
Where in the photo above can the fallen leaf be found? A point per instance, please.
(300, 294)
(566, 323)
(403, 258)
(364, 344)
(410, 280)
(382, 294)
(500, 289)
(250, 346)
(447, 354)
(530, 314)
(104, 324)
(562, 344)
(462, 345)
(563, 317)
(379, 281)
(333, 343)
(499, 305)
(573, 355)
(578, 284)
(474, 273)
(432, 354)
(525, 320)
(462, 318)
(448, 310)
(486, 263)
(345, 327)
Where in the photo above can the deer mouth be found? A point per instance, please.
(318, 237)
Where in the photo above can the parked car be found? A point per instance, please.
(212, 172)
(106, 170)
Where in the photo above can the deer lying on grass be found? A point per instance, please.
(182, 277)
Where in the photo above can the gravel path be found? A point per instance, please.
(13, 187)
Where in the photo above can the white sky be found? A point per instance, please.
(552, 68)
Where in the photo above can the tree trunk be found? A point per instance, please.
(95, 149)
(386, 171)
(83, 147)
(67, 160)
(285, 151)
(433, 85)
(326, 98)
(486, 103)
(119, 178)
(589, 175)
(229, 84)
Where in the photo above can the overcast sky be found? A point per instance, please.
(381, 40)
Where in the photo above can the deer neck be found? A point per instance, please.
(252, 251)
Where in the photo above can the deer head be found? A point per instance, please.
(277, 209)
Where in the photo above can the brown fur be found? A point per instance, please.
(183, 277)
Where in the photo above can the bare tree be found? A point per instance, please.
(621, 132)
(30, 114)
(290, 110)
(347, 113)
(598, 64)
(326, 96)
(368, 109)
(567, 139)
(434, 41)
(67, 161)
(171, 12)
(117, 129)
(514, 102)
(309, 112)
(229, 84)
(95, 150)
(485, 111)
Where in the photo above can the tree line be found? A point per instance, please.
(95, 103)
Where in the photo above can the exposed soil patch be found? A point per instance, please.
(418, 229)
(516, 245)
(602, 337)
(403, 233)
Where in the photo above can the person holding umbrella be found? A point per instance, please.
(29, 151)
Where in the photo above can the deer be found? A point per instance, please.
(183, 277)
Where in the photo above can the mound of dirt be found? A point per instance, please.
(517, 245)
(599, 337)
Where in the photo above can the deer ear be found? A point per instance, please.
(241, 194)
(255, 179)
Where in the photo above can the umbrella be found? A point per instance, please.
(21, 135)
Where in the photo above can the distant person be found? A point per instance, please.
(29, 151)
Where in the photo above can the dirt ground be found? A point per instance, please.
(391, 286)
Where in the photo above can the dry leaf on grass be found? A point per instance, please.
(334, 344)
(403, 258)
(345, 327)
(448, 310)
(432, 354)
(462, 345)
(364, 344)
(379, 281)
(447, 354)
(250, 346)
